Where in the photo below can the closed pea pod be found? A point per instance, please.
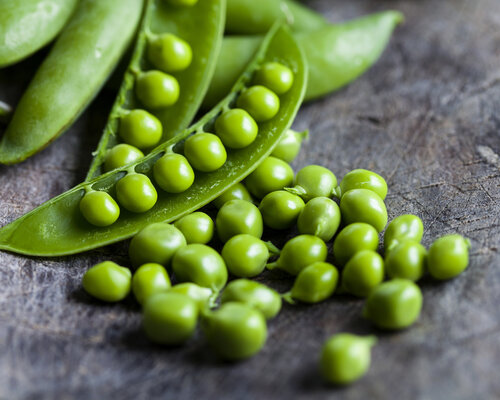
(237, 217)
(245, 255)
(362, 273)
(289, 145)
(363, 205)
(352, 239)
(197, 227)
(448, 256)
(280, 209)
(107, 281)
(406, 227)
(273, 174)
(314, 181)
(406, 261)
(149, 279)
(320, 217)
(235, 192)
(364, 179)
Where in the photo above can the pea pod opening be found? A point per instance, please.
(58, 228)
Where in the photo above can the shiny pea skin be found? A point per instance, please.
(289, 145)
(260, 102)
(314, 181)
(254, 294)
(236, 128)
(205, 152)
(169, 53)
(448, 256)
(235, 192)
(141, 129)
(315, 283)
(136, 193)
(275, 76)
(149, 279)
(156, 89)
(406, 261)
(345, 358)
(237, 217)
(364, 179)
(319, 217)
(120, 155)
(362, 273)
(395, 304)
(182, 3)
(352, 239)
(363, 205)
(400, 229)
(99, 208)
(245, 255)
(271, 175)
(173, 173)
(196, 227)
(201, 295)
(280, 209)
(107, 281)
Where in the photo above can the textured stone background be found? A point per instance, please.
(426, 117)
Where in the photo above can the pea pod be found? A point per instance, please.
(79, 63)
(336, 54)
(29, 25)
(201, 26)
(58, 228)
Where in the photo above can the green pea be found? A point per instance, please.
(300, 252)
(245, 255)
(156, 243)
(99, 208)
(236, 128)
(140, 129)
(362, 273)
(275, 76)
(200, 264)
(173, 173)
(315, 283)
(345, 358)
(235, 331)
(170, 318)
(364, 179)
(201, 295)
(107, 281)
(254, 294)
(148, 280)
(320, 217)
(205, 152)
(280, 209)
(260, 102)
(405, 227)
(120, 155)
(395, 304)
(289, 145)
(136, 193)
(156, 89)
(363, 205)
(407, 261)
(197, 227)
(271, 175)
(448, 256)
(236, 217)
(169, 53)
(352, 239)
(235, 192)
(314, 181)
(182, 3)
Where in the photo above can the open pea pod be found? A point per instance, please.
(57, 227)
(201, 26)
(336, 54)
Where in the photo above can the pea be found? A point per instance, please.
(407, 261)
(280, 209)
(363, 205)
(300, 252)
(254, 294)
(182, 3)
(405, 227)
(245, 255)
(236, 128)
(275, 76)
(314, 181)
(200, 264)
(170, 318)
(395, 304)
(315, 283)
(448, 256)
(197, 227)
(364, 179)
(156, 243)
(173, 173)
(201, 295)
(120, 155)
(260, 102)
(345, 358)
(169, 53)
(140, 129)
(156, 89)
(99, 208)
(320, 217)
(352, 239)
(235, 331)
(136, 193)
(205, 152)
(362, 273)
(289, 145)
(148, 280)
(107, 281)
(271, 175)
(235, 192)
(236, 217)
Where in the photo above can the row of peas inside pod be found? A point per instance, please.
(235, 128)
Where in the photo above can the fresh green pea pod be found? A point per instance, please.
(29, 25)
(58, 228)
(82, 58)
(336, 54)
(201, 26)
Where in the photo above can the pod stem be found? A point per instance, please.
(337, 192)
(288, 298)
(212, 300)
(304, 135)
(272, 248)
(273, 265)
(298, 190)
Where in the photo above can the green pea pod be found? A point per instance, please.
(202, 27)
(29, 25)
(336, 54)
(82, 58)
(58, 228)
